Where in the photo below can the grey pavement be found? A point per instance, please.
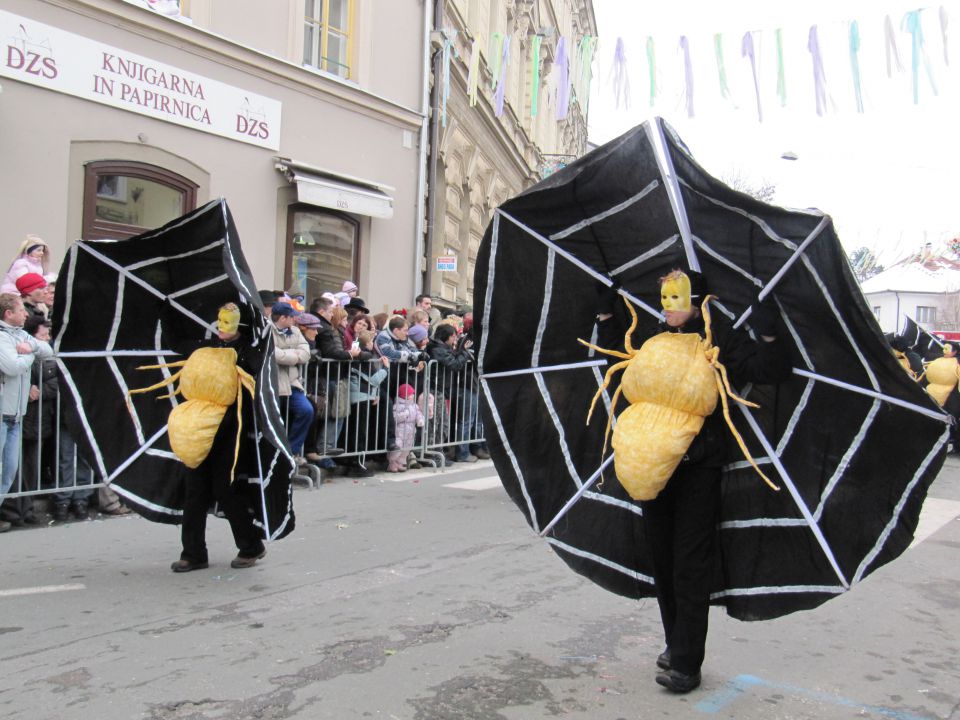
(426, 596)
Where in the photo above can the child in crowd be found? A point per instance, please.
(408, 417)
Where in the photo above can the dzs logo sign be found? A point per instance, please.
(252, 121)
(31, 55)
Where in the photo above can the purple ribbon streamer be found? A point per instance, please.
(502, 82)
(621, 82)
(747, 51)
(562, 63)
(687, 73)
(943, 32)
(819, 79)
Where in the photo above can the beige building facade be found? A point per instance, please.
(483, 159)
(309, 119)
(313, 119)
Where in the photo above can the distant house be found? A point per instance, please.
(925, 287)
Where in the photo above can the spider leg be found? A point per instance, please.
(613, 353)
(736, 434)
(606, 382)
(163, 383)
(633, 326)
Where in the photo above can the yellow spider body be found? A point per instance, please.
(672, 382)
(942, 375)
(211, 381)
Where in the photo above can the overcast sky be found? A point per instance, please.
(888, 176)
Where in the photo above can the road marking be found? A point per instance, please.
(935, 513)
(741, 685)
(482, 483)
(13, 592)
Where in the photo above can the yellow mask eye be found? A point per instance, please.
(228, 319)
(675, 292)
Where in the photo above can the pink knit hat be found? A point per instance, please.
(406, 391)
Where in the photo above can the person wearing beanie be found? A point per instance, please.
(417, 334)
(407, 416)
(32, 257)
(32, 289)
(350, 288)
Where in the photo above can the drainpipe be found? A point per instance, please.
(418, 254)
(434, 115)
(896, 324)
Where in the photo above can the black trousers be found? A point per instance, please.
(681, 531)
(211, 482)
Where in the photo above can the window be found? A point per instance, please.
(322, 251)
(123, 199)
(926, 314)
(327, 36)
(876, 311)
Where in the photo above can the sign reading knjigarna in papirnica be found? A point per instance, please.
(57, 60)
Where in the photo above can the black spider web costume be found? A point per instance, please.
(853, 442)
(121, 302)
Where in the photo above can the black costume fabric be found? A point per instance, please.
(143, 301)
(920, 341)
(848, 436)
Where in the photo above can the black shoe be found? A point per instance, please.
(61, 513)
(240, 562)
(678, 682)
(181, 565)
(481, 453)
(333, 451)
(359, 471)
(81, 510)
(663, 660)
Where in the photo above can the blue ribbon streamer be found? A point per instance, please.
(855, 64)
(911, 22)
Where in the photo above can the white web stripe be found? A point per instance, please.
(724, 261)
(513, 458)
(646, 256)
(623, 504)
(788, 481)
(561, 436)
(488, 295)
(166, 454)
(145, 285)
(796, 337)
(199, 286)
(763, 522)
(795, 417)
(579, 263)
(881, 541)
(124, 492)
(779, 590)
(658, 143)
(116, 353)
(600, 560)
(78, 402)
(140, 451)
(112, 364)
(544, 308)
(179, 256)
(941, 416)
(744, 464)
(544, 369)
(71, 269)
(847, 457)
(607, 213)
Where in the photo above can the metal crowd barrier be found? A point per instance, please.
(350, 432)
(354, 421)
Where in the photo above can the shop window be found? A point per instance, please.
(123, 199)
(328, 36)
(322, 251)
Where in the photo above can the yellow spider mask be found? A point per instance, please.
(675, 292)
(228, 319)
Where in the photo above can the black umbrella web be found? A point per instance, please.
(810, 516)
(271, 452)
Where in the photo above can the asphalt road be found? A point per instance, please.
(430, 598)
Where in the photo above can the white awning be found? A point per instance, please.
(323, 188)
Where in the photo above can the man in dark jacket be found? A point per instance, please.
(681, 522)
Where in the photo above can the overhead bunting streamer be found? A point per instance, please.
(721, 66)
(620, 77)
(652, 66)
(535, 74)
(781, 73)
(855, 64)
(687, 73)
(502, 83)
(943, 34)
(562, 63)
(890, 47)
(819, 78)
(496, 58)
(449, 49)
(911, 22)
(583, 71)
(747, 51)
(473, 77)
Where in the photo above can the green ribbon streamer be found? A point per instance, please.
(496, 56)
(652, 65)
(855, 64)
(781, 74)
(535, 74)
(588, 45)
(721, 69)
